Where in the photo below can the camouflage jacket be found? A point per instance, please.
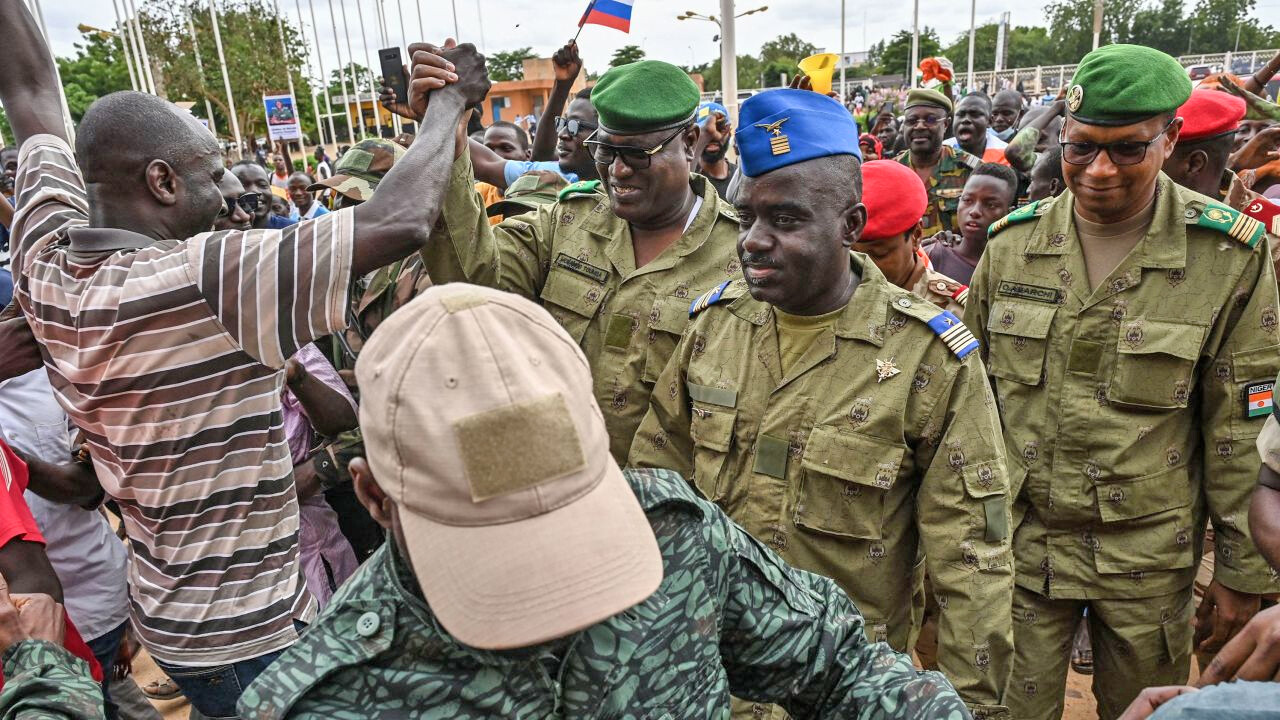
(44, 682)
(729, 615)
(575, 257)
(945, 188)
(878, 444)
(1127, 409)
(373, 299)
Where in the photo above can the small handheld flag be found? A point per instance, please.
(610, 13)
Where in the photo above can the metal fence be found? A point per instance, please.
(1044, 78)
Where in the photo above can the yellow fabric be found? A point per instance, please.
(797, 332)
(489, 194)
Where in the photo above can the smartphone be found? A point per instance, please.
(393, 73)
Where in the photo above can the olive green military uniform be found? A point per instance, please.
(1126, 423)
(729, 614)
(576, 258)
(945, 187)
(878, 443)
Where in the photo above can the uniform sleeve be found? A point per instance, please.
(978, 306)
(44, 682)
(963, 511)
(1021, 151)
(49, 193)
(512, 256)
(794, 638)
(276, 290)
(1247, 353)
(663, 440)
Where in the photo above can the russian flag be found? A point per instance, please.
(610, 13)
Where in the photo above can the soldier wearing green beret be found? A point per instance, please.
(943, 169)
(615, 261)
(1130, 329)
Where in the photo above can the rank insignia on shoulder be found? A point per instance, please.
(951, 331)
(961, 294)
(1258, 400)
(582, 187)
(709, 298)
(1022, 214)
(1228, 221)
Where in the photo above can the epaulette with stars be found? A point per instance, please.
(944, 323)
(711, 297)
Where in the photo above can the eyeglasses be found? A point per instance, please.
(926, 120)
(573, 125)
(247, 202)
(1123, 152)
(635, 158)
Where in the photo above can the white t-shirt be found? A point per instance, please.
(87, 557)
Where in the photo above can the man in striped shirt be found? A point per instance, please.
(167, 353)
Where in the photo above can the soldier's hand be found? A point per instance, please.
(1151, 698)
(472, 73)
(1254, 654)
(1260, 150)
(1223, 612)
(428, 71)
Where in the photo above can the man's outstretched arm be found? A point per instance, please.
(28, 85)
(398, 219)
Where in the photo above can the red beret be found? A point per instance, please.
(1209, 113)
(894, 197)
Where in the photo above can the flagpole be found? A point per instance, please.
(422, 33)
(457, 32)
(124, 47)
(208, 106)
(480, 17)
(351, 67)
(368, 57)
(57, 76)
(146, 57)
(137, 54)
(226, 79)
(583, 22)
(342, 78)
(324, 79)
(288, 72)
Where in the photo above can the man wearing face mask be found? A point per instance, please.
(615, 261)
(1130, 328)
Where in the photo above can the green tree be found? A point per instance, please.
(1071, 25)
(1162, 26)
(97, 69)
(509, 64)
(895, 56)
(786, 49)
(749, 68)
(363, 80)
(5, 129)
(1214, 26)
(1024, 47)
(626, 54)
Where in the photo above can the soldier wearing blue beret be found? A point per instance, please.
(841, 420)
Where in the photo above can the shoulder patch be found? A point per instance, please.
(969, 160)
(582, 187)
(1232, 223)
(943, 323)
(711, 297)
(1022, 214)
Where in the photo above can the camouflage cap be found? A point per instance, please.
(357, 173)
(539, 187)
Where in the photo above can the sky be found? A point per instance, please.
(545, 25)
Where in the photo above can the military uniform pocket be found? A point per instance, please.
(1154, 364)
(1146, 523)
(843, 483)
(573, 300)
(1018, 334)
(667, 321)
(990, 492)
(712, 434)
(1249, 367)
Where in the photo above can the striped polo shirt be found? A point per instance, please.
(167, 355)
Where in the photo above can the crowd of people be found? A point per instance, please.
(893, 407)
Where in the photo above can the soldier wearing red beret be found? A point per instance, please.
(1210, 119)
(895, 199)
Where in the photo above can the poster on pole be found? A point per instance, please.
(282, 117)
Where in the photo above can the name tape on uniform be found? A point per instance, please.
(1036, 293)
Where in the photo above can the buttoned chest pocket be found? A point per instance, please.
(573, 300)
(711, 429)
(1018, 335)
(1155, 363)
(844, 480)
(667, 321)
(948, 201)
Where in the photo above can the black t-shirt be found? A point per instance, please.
(722, 186)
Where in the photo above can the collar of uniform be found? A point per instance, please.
(105, 240)
(1164, 249)
(604, 224)
(863, 318)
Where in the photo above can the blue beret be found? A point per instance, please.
(705, 110)
(777, 128)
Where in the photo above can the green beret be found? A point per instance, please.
(644, 97)
(924, 96)
(1125, 84)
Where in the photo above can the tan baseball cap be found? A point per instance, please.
(479, 421)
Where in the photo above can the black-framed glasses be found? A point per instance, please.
(1123, 152)
(573, 125)
(247, 202)
(637, 158)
